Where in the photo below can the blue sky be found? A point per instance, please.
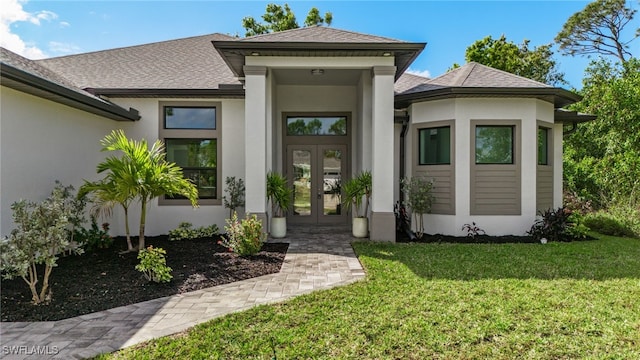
(47, 28)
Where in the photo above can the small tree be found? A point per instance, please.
(41, 234)
(419, 199)
(235, 190)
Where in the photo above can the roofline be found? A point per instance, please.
(561, 97)
(572, 117)
(233, 92)
(68, 96)
(245, 48)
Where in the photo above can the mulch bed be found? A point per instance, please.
(105, 279)
(480, 239)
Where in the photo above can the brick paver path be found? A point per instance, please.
(318, 258)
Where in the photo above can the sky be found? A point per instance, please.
(49, 28)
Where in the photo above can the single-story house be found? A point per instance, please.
(318, 104)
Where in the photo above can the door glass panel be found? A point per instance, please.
(302, 183)
(317, 125)
(332, 181)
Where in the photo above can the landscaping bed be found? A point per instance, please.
(107, 278)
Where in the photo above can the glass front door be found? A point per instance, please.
(316, 173)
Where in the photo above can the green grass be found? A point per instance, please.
(445, 301)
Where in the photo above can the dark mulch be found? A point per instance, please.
(106, 279)
(479, 239)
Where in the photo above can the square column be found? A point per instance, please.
(255, 125)
(382, 225)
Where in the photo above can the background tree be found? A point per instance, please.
(598, 29)
(280, 18)
(536, 64)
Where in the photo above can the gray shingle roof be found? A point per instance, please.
(408, 81)
(319, 34)
(190, 63)
(477, 75)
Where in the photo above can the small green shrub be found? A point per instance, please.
(556, 225)
(244, 237)
(40, 236)
(185, 231)
(153, 264)
(608, 224)
(419, 198)
(93, 238)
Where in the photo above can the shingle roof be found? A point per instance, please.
(477, 75)
(190, 63)
(319, 34)
(408, 81)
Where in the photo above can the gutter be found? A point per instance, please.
(25, 81)
(234, 92)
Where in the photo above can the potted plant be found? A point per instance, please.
(355, 190)
(279, 194)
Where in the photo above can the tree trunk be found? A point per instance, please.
(126, 227)
(143, 216)
(45, 283)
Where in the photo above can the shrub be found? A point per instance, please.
(235, 191)
(473, 230)
(419, 198)
(608, 224)
(185, 231)
(95, 237)
(554, 225)
(153, 264)
(244, 237)
(40, 235)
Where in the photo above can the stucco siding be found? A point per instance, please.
(43, 141)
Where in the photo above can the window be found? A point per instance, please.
(543, 146)
(317, 125)
(494, 144)
(191, 135)
(434, 146)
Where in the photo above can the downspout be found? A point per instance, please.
(405, 127)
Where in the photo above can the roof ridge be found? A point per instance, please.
(304, 28)
(509, 73)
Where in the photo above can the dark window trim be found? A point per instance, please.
(419, 143)
(195, 134)
(164, 117)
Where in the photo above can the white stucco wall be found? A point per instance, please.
(464, 110)
(42, 141)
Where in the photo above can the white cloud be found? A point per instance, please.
(64, 24)
(63, 48)
(423, 73)
(12, 12)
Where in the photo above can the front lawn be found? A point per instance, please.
(457, 301)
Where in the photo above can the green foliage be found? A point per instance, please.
(616, 221)
(602, 157)
(473, 230)
(418, 198)
(244, 237)
(598, 29)
(536, 63)
(95, 237)
(558, 225)
(185, 231)
(140, 173)
(153, 264)
(41, 234)
(279, 18)
(355, 190)
(235, 191)
(278, 193)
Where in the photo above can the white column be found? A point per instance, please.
(382, 155)
(255, 161)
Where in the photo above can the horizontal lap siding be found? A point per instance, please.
(495, 190)
(443, 187)
(544, 188)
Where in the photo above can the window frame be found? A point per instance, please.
(549, 150)
(419, 143)
(194, 134)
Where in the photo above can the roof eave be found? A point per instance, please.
(26, 82)
(560, 97)
(233, 52)
(229, 93)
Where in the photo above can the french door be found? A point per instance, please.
(315, 174)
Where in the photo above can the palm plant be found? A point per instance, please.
(142, 173)
(356, 190)
(278, 193)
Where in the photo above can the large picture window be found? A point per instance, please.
(494, 144)
(316, 125)
(434, 146)
(191, 135)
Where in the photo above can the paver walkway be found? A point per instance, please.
(318, 258)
